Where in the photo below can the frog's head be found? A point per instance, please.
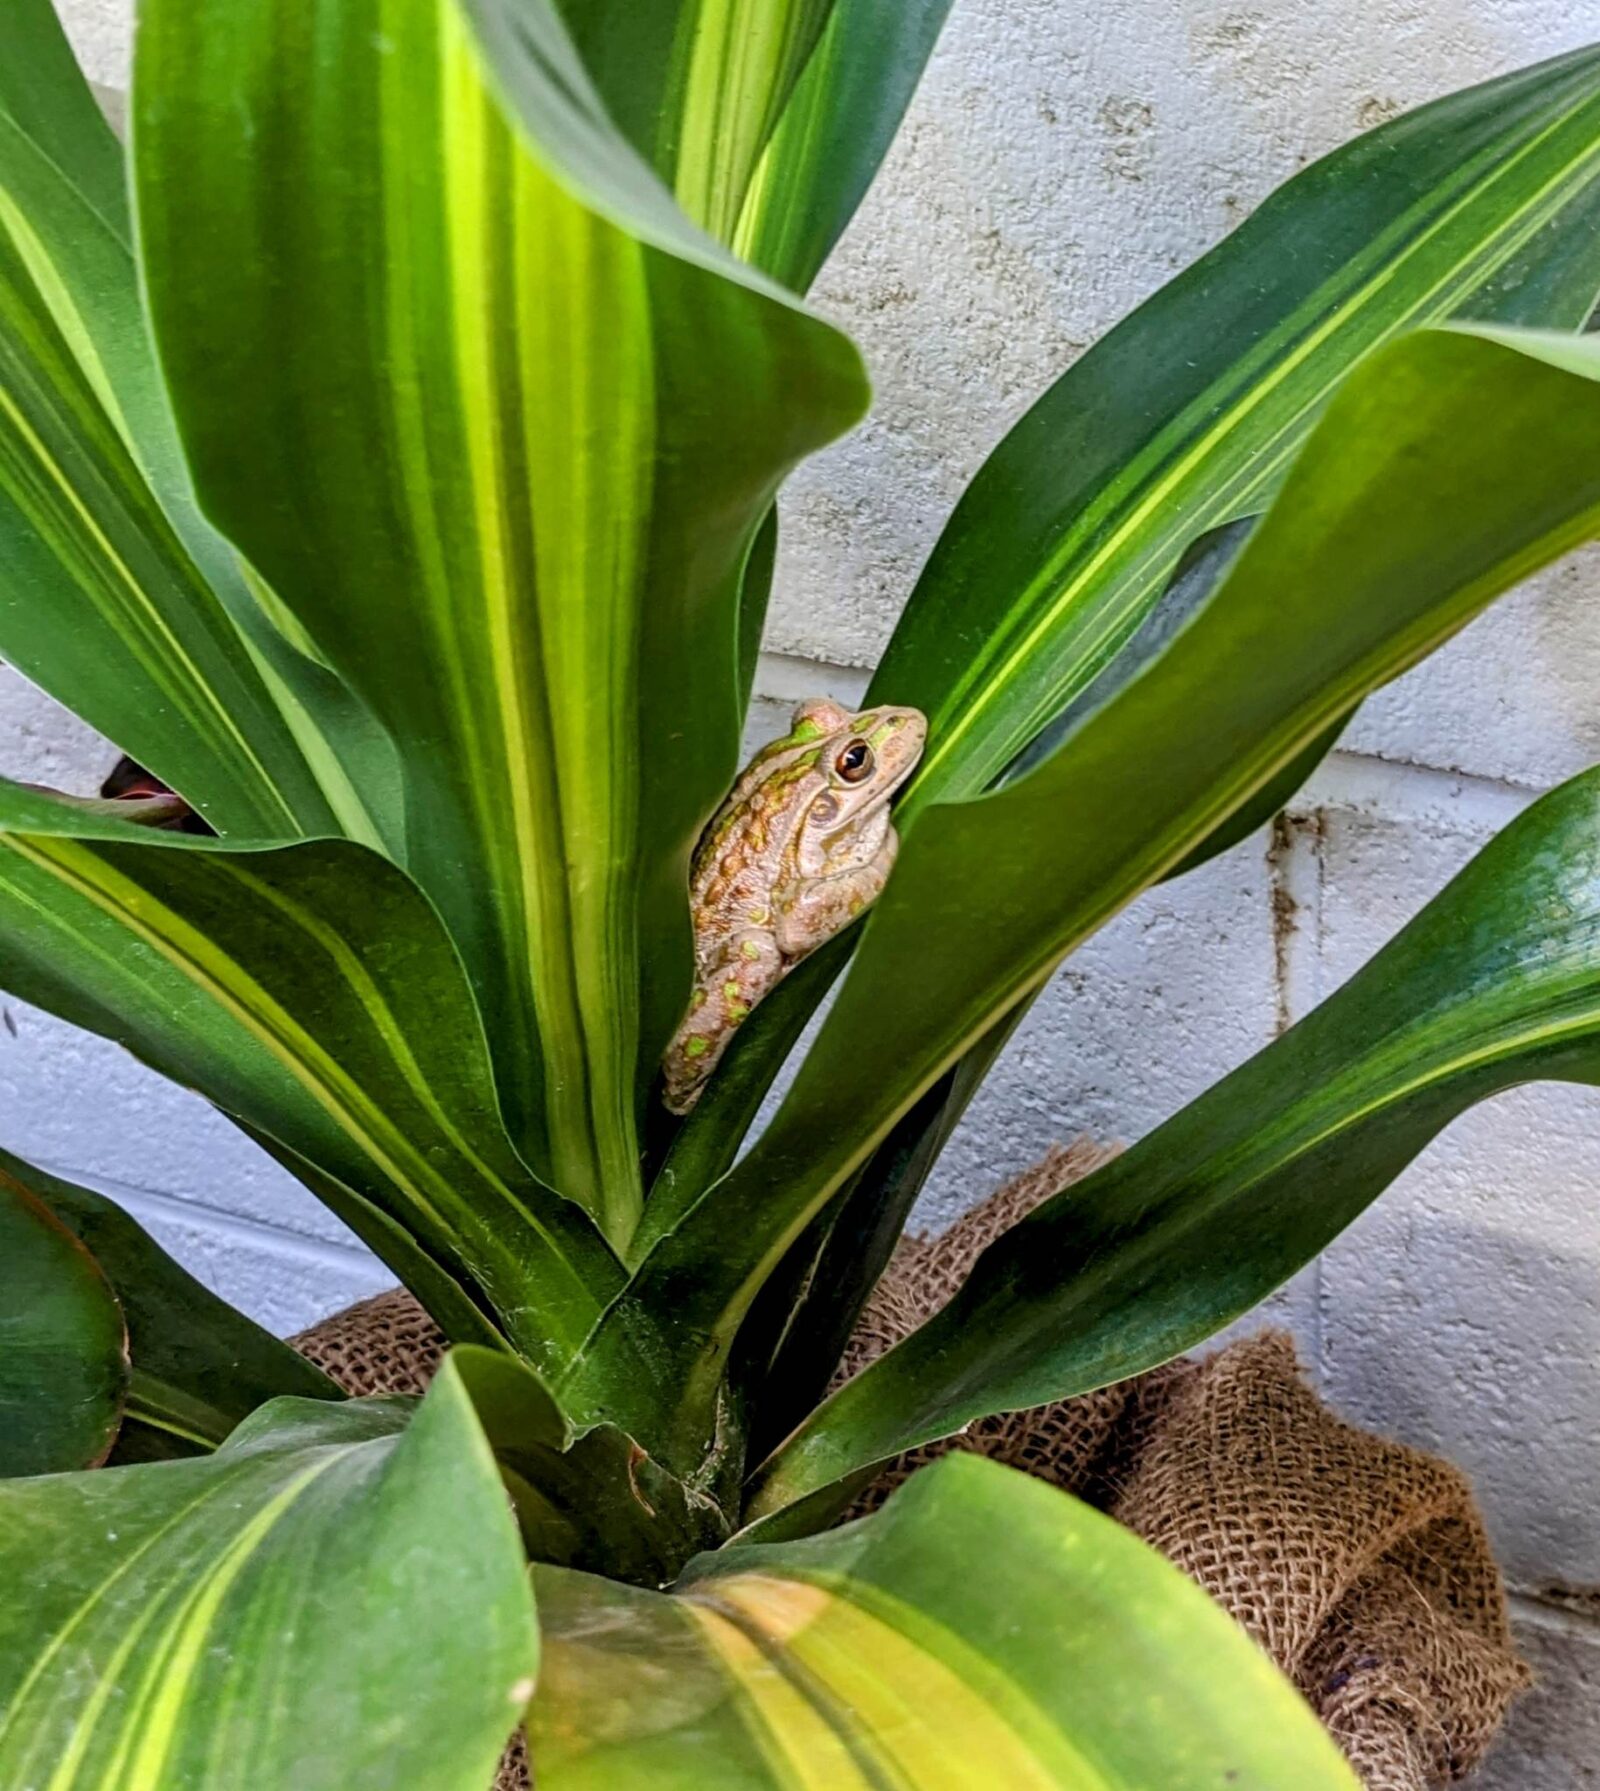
(864, 757)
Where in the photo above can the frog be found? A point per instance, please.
(802, 845)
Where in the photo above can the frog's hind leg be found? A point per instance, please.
(747, 969)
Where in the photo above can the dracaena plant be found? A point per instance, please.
(389, 453)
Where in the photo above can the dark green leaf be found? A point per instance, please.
(63, 1348)
(767, 118)
(44, 95)
(698, 86)
(199, 1367)
(1183, 420)
(595, 1501)
(852, 1245)
(755, 593)
(835, 129)
(1401, 519)
(1484, 204)
(118, 599)
(311, 992)
(1496, 982)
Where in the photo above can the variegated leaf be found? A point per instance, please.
(508, 479)
(982, 1629)
(335, 1601)
(196, 1366)
(1495, 983)
(311, 992)
(767, 118)
(1401, 520)
(1485, 204)
(118, 599)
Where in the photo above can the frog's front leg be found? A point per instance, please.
(729, 986)
(814, 909)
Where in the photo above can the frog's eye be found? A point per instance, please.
(855, 762)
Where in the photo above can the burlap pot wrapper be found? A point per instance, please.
(1360, 1565)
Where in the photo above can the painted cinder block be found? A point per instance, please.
(1514, 696)
(1552, 1739)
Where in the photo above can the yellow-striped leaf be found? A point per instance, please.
(834, 131)
(1401, 519)
(311, 992)
(1485, 204)
(699, 86)
(63, 1346)
(501, 425)
(1031, 609)
(982, 1629)
(118, 599)
(767, 118)
(1495, 983)
(334, 1601)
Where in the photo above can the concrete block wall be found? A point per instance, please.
(1060, 163)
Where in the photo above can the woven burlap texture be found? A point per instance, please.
(1359, 1564)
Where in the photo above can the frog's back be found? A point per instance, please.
(741, 855)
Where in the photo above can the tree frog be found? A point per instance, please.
(800, 847)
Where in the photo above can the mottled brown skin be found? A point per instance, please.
(801, 846)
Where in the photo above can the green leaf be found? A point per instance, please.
(835, 130)
(1181, 423)
(849, 1245)
(755, 593)
(63, 1349)
(1400, 520)
(44, 95)
(118, 599)
(982, 1629)
(198, 1366)
(508, 479)
(852, 1246)
(595, 1501)
(1496, 982)
(1199, 572)
(698, 86)
(311, 992)
(767, 118)
(1484, 204)
(334, 1601)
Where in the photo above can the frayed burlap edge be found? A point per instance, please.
(1360, 1565)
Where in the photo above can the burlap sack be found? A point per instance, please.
(1360, 1565)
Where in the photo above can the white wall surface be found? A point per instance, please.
(1060, 163)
